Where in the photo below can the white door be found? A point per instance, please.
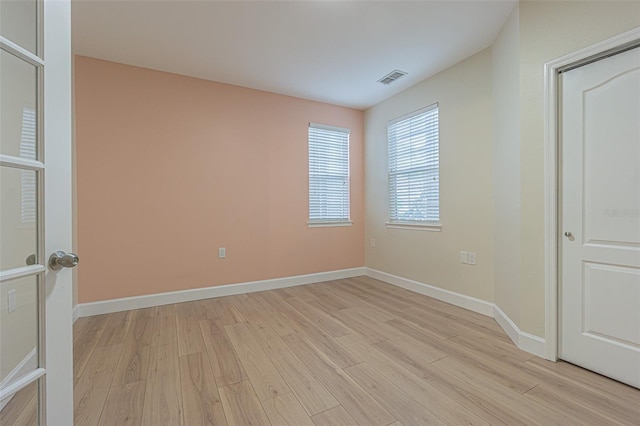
(36, 375)
(600, 218)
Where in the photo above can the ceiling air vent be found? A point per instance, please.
(392, 76)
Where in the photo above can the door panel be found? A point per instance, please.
(22, 410)
(18, 212)
(18, 329)
(611, 172)
(18, 85)
(606, 314)
(18, 22)
(600, 249)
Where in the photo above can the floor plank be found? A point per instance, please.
(312, 395)
(446, 408)
(134, 361)
(87, 333)
(392, 398)
(242, 406)
(286, 410)
(164, 325)
(359, 404)
(124, 405)
(336, 416)
(201, 400)
(162, 401)
(188, 330)
(92, 388)
(264, 377)
(225, 363)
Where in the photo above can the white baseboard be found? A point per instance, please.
(461, 300)
(525, 341)
(146, 301)
(29, 363)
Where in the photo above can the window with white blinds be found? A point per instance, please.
(414, 182)
(328, 174)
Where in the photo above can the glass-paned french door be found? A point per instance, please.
(22, 260)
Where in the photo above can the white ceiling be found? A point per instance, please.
(329, 51)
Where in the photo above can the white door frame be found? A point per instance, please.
(552, 169)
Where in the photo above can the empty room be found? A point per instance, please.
(319, 212)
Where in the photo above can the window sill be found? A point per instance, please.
(433, 227)
(327, 224)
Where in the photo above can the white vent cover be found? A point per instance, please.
(392, 76)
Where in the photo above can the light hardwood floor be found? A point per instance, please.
(347, 352)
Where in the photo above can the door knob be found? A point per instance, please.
(60, 259)
(568, 234)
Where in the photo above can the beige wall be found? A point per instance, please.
(549, 30)
(466, 189)
(506, 167)
(170, 168)
(492, 111)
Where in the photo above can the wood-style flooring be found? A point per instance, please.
(348, 352)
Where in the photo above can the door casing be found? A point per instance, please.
(552, 143)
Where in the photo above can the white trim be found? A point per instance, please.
(8, 392)
(551, 173)
(19, 51)
(146, 301)
(320, 224)
(433, 227)
(412, 114)
(28, 364)
(461, 300)
(20, 163)
(523, 340)
(330, 128)
(74, 314)
(23, 271)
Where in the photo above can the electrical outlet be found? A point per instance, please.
(464, 257)
(372, 242)
(472, 258)
(12, 300)
(222, 252)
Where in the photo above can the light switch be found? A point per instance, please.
(12, 300)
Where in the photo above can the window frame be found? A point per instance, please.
(423, 225)
(326, 221)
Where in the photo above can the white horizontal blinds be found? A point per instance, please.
(414, 188)
(28, 177)
(328, 174)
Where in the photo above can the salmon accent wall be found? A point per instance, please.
(170, 168)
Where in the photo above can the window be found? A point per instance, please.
(328, 175)
(414, 189)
